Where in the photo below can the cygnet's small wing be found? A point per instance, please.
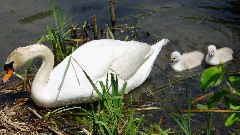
(192, 59)
(223, 54)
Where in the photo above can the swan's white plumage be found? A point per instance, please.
(216, 56)
(131, 60)
(186, 60)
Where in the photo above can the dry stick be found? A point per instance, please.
(86, 131)
(84, 32)
(124, 125)
(73, 32)
(201, 97)
(209, 111)
(16, 106)
(35, 113)
(40, 117)
(160, 121)
(94, 20)
(7, 122)
(113, 17)
(74, 35)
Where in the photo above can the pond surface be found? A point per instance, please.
(188, 24)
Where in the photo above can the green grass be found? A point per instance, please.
(106, 117)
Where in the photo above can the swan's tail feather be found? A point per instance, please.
(160, 44)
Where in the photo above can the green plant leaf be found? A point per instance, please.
(212, 76)
(232, 118)
(215, 98)
(232, 104)
(54, 12)
(202, 107)
(235, 80)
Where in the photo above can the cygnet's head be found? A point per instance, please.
(211, 51)
(175, 57)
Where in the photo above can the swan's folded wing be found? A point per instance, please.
(129, 58)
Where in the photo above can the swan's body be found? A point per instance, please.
(132, 61)
(216, 56)
(186, 60)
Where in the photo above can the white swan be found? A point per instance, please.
(131, 60)
(186, 61)
(216, 56)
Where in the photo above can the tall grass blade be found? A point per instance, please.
(54, 44)
(110, 32)
(89, 79)
(130, 129)
(60, 20)
(176, 120)
(209, 124)
(64, 76)
(139, 123)
(54, 13)
(188, 107)
(64, 109)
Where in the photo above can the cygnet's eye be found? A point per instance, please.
(174, 58)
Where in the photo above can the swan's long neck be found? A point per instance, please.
(42, 76)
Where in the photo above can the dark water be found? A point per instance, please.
(188, 24)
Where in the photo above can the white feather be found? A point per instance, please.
(216, 56)
(132, 61)
(186, 61)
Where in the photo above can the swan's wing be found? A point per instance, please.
(129, 57)
(95, 58)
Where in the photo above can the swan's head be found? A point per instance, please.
(211, 51)
(15, 60)
(175, 57)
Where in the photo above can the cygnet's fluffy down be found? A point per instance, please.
(216, 56)
(186, 61)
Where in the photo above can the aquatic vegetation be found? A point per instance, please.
(58, 36)
(34, 17)
(214, 76)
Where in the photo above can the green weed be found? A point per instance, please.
(214, 76)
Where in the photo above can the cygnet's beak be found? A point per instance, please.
(9, 71)
(210, 55)
(172, 61)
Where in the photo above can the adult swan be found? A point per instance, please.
(67, 84)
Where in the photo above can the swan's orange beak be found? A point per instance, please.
(7, 75)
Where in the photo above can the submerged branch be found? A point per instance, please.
(210, 111)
